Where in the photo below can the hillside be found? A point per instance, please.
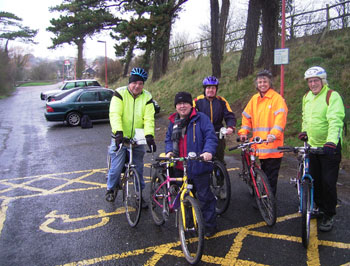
(332, 53)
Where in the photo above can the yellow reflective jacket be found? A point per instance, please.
(127, 113)
(266, 116)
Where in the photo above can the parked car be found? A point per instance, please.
(61, 95)
(67, 85)
(93, 102)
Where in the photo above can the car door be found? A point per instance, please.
(89, 104)
(105, 100)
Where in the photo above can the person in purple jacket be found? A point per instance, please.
(192, 131)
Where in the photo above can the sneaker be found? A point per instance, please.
(110, 195)
(210, 231)
(326, 224)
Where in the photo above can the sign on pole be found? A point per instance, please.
(281, 56)
(66, 62)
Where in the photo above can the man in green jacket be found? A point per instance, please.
(322, 126)
(131, 108)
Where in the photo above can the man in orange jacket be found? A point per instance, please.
(266, 115)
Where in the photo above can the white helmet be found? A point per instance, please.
(316, 72)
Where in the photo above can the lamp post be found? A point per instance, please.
(105, 62)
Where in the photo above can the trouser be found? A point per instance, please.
(324, 169)
(205, 197)
(118, 162)
(220, 150)
(271, 167)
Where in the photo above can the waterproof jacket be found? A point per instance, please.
(217, 110)
(322, 122)
(127, 113)
(200, 137)
(266, 116)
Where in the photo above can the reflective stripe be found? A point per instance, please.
(278, 128)
(246, 127)
(267, 129)
(268, 151)
(279, 111)
(246, 115)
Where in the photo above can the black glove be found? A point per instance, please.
(329, 148)
(118, 138)
(302, 136)
(151, 144)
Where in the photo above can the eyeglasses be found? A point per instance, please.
(313, 80)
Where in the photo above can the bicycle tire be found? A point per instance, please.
(220, 185)
(266, 202)
(132, 197)
(246, 177)
(159, 199)
(306, 212)
(191, 237)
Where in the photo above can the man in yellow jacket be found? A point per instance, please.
(265, 116)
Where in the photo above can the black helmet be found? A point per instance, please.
(264, 73)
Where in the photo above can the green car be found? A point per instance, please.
(93, 102)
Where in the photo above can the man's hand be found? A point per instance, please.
(118, 138)
(230, 130)
(302, 136)
(329, 148)
(169, 154)
(243, 138)
(207, 156)
(271, 138)
(151, 144)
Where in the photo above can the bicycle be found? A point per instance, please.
(257, 181)
(305, 186)
(220, 182)
(166, 197)
(130, 184)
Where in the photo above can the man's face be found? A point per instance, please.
(315, 85)
(263, 84)
(136, 87)
(210, 91)
(183, 109)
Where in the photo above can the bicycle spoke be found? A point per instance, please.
(132, 198)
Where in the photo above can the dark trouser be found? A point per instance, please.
(205, 197)
(220, 150)
(324, 170)
(271, 168)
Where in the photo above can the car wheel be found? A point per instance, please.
(73, 119)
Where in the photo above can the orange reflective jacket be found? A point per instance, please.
(266, 116)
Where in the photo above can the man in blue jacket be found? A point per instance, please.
(192, 131)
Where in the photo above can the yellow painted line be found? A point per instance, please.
(235, 249)
(3, 210)
(313, 256)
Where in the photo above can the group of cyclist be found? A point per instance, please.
(196, 124)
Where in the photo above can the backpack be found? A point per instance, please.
(346, 107)
(86, 122)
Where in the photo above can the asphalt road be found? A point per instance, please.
(53, 212)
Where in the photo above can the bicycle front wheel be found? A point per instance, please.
(191, 230)
(264, 198)
(158, 198)
(306, 212)
(132, 197)
(220, 186)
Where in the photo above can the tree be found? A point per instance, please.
(11, 29)
(80, 19)
(246, 63)
(218, 23)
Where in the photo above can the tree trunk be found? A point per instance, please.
(246, 63)
(165, 55)
(128, 58)
(80, 63)
(215, 43)
(157, 64)
(270, 9)
(225, 8)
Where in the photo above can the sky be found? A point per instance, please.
(35, 14)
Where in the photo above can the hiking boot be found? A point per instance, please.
(111, 195)
(326, 224)
(316, 213)
(210, 231)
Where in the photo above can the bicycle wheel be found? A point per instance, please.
(191, 235)
(220, 186)
(306, 212)
(132, 197)
(264, 198)
(245, 175)
(158, 199)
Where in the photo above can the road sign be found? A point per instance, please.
(66, 62)
(281, 56)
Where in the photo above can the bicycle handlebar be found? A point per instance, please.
(256, 140)
(308, 148)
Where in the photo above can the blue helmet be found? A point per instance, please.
(139, 72)
(210, 81)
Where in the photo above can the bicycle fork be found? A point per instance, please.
(183, 210)
(307, 178)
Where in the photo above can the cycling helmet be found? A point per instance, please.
(316, 72)
(139, 72)
(210, 81)
(264, 73)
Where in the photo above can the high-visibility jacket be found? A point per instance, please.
(321, 121)
(265, 116)
(127, 113)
